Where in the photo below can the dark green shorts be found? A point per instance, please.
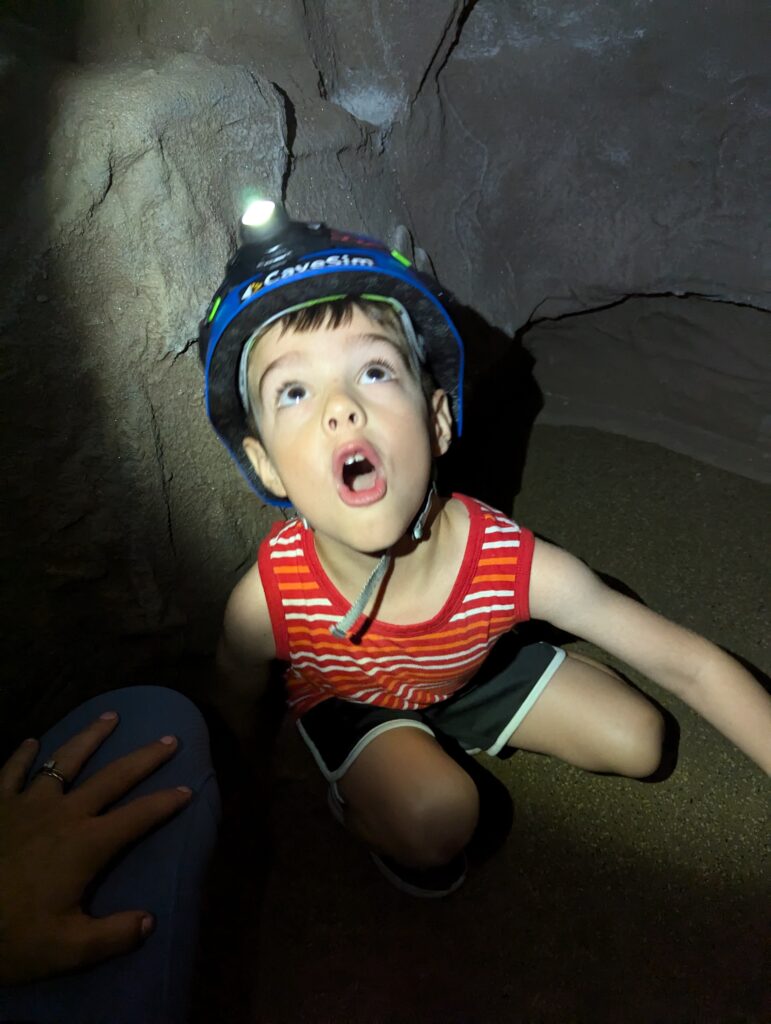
(480, 717)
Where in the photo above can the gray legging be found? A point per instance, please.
(162, 873)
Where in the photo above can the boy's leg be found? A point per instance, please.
(405, 797)
(589, 717)
(162, 872)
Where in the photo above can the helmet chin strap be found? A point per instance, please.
(344, 625)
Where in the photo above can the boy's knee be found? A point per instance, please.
(644, 743)
(437, 822)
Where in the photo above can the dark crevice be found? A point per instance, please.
(291, 133)
(322, 86)
(257, 83)
(108, 185)
(290, 117)
(463, 17)
(534, 319)
(308, 18)
(180, 352)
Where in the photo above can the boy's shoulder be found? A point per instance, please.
(247, 621)
(477, 508)
(490, 522)
(280, 528)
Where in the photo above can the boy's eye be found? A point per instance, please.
(375, 372)
(290, 394)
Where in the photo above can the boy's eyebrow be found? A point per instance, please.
(371, 336)
(361, 339)
(285, 357)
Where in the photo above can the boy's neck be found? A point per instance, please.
(349, 569)
(345, 566)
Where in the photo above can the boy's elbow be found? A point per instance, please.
(238, 674)
(236, 693)
(701, 671)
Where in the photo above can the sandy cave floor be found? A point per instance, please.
(610, 900)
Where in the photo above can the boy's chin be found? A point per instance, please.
(372, 541)
(376, 543)
(371, 530)
(398, 540)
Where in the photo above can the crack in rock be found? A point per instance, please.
(290, 118)
(440, 58)
(535, 319)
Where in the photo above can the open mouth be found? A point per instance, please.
(359, 474)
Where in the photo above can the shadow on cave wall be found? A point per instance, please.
(501, 402)
(94, 594)
(35, 37)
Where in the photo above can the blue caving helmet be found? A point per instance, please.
(281, 265)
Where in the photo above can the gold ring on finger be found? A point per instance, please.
(49, 768)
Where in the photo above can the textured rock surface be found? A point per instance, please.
(692, 375)
(572, 154)
(127, 521)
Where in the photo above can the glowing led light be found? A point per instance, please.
(258, 213)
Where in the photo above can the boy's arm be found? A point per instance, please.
(244, 654)
(567, 593)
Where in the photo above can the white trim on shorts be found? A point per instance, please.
(511, 726)
(396, 723)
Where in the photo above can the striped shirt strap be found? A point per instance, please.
(277, 534)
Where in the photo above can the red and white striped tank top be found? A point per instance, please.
(394, 666)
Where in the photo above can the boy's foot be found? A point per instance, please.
(423, 882)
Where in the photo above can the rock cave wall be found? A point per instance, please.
(551, 159)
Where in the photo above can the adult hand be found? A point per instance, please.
(53, 843)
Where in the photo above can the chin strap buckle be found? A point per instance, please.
(420, 522)
(342, 628)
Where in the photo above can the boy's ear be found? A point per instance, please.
(263, 466)
(441, 422)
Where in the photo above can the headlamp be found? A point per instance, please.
(258, 213)
(261, 221)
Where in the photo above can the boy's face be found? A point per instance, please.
(346, 433)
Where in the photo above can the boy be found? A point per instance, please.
(333, 376)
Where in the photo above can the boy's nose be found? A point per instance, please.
(342, 410)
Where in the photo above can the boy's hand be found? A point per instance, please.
(53, 843)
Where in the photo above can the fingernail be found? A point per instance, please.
(147, 925)
(168, 740)
(185, 789)
(30, 741)
(108, 716)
